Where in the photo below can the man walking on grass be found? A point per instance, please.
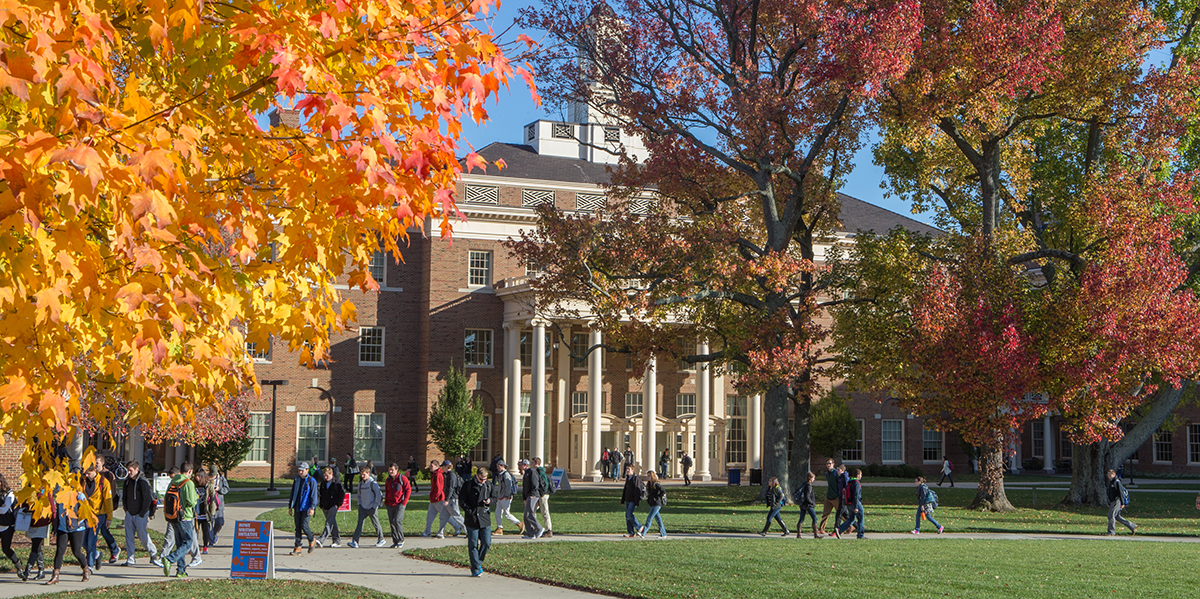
(1118, 499)
(179, 508)
(544, 500)
(437, 497)
(531, 492)
(831, 496)
(633, 493)
(504, 488)
(302, 504)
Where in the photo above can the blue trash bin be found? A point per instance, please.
(735, 477)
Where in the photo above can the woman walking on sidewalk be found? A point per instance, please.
(805, 499)
(777, 498)
(656, 498)
(926, 503)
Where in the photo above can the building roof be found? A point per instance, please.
(522, 162)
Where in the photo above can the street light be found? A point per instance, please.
(275, 385)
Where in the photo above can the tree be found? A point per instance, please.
(153, 227)
(224, 455)
(748, 110)
(456, 420)
(834, 428)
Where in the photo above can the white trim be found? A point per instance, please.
(491, 348)
(253, 463)
(382, 346)
(300, 458)
(342, 287)
(939, 460)
(881, 441)
(383, 439)
(1189, 445)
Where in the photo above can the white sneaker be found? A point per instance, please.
(540, 533)
(195, 562)
(336, 545)
(381, 543)
(318, 543)
(441, 536)
(156, 562)
(130, 562)
(400, 545)
(352, 545)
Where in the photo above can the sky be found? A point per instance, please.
(516, 108)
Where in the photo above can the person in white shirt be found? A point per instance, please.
(947, 470)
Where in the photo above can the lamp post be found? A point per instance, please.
(275, 385)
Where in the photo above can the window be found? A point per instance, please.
(261, 357)
(527, 349)
(532, 269)
(593, 202)
(378, 268)
(483, 194)
(1065, 446)
(855, 454)
(685, 403)
(477, 347)
(259, 427)
(735, 429)
(536, 197)
(1037, 432)
(526, 433)
(612, 134)
(368, 437)
(893, 441)
(579, 348)
(1162, 446)
(482, 452)
(633, 404)
(685, 351)
(562, 131)
(931, 445)
(530, 134)
(311, 433)
(370, 346)
(579, 403)
(1194, 444)
(479, 268)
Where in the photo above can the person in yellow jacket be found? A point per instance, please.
(99, 497)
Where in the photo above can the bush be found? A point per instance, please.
(891, 471)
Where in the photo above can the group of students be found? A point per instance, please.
(638, 489)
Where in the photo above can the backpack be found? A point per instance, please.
(662, 495)
(547, 486)
(931, 497)
(1124, 493)
(798, 495)
(172, 503)
(642, 491)
(847, 498)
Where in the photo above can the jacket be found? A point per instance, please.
(923, 495)
(330, 494)
(546, 483)
(655, 495)
(203, 502)
(369, 496)
(99, 495)
(452, 483)
(832, 487)
(616, 457)
(686, 461)
(843, 482)
(473, 501)
(633, 491)
(397, 490)
(112, 486)
(65, 521)
(8, 505)
(776, 497)
(304, 494)
(855, 491)
(187, 496)
(437, 486)
(629, 457)
(1114, 490)
(222, 489)
(505, 485)
(531, 484)
(806, 496)
(137, 496)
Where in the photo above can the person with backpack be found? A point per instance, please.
(604, 462)
(831, 496)
(853, 498)
(369, 498)
(330, 495)
(138, 499)
(396, 492)
(806, 499)
(302, 503)
(656, 498)
(947, 471)
(686, 462)
(168, 536)
(179, 508)
(220, 488)
(1118, 499)
(629, 457)
(410, 470)
(616, 458)
(475, 500)
(633, 493)
(99, 497)
(544, 501)
(531, 493)
(102, 530)
(453, 484)
(776, 498)
(927, 501)
(843, 508)
(664, 460)
(8, 522)
(348, 479)
(504, 487)
(69, 530)
(39, 531)
(437, 498)
(204, 508)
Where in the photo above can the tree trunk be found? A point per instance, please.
(775, 436)
(1087, 475)
(801, 447)
(990, 496)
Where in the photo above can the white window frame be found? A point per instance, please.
(257, 356)
(685, 366)
(641, 403)
(679, 404)
(472, 279)
(1193, 441)
(941, 452)
(491, 350)
(382, 436)
(576, 398)
(378, 265)
(266, 439)
(1037, 428)
(882, 441)
(862, 445)
(308, 454)
(382, 346)
(1170, 444)
(484, 448)
(579, 363)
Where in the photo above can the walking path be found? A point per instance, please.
(389, 571)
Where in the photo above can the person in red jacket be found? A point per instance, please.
(396, 492)
(437, 496)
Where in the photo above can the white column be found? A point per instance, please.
(512, 408)
(1048, 445)
(595, 393)
(649, 414)
(537, 399)
(563, 398)
(704, 400)
(754, 434)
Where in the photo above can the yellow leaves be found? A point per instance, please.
(154, 202)
(83, 158)
(16, 392)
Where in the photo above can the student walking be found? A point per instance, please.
(302, 504)
(615, 458)
(179, 508)
(138, 499)
(8, 521)
(926, 503)
(69, 530)
(220, 488)
(843, 509)
(437, 498)
(686, 462)
(831, 496)
(504, 487)
(947, 471)
(351, 474)
(204, 509)
(663, 461)
(805, 498)
(453, 484)
(777, 499)
(395, 497)
(369, 498)
(531, 492)
(1118, 499)
(39, 531)
(605, 464)
(410, 469)
(330, 495)
(629, 457)
(99, 496)
(633, 493)
(475, 500)
(656, 498)
(544, 501)
(854, 501)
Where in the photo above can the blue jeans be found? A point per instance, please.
(774, 515)
(89, 546)
(928, 514)
(479, 540)
(654, 516)
(856, 518)
(185, 538)
(811, 514)
(944, 477)
(631, 522)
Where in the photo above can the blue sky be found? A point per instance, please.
(516, 108)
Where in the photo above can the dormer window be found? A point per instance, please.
(562, 131)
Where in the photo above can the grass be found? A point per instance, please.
(222, 589)
(848, 568)
(734, 509)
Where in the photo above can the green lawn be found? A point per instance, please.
(221, 589)
(733, 509)
(809, 568)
